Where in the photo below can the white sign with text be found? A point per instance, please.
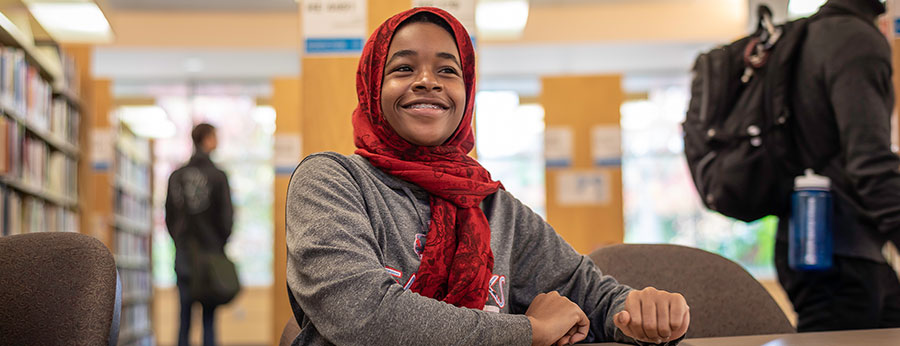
(334, 26)
(583, 188)
(558, 146)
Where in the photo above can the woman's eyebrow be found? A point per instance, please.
(401, 53)
(449, 56)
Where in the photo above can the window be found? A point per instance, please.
(244, 131)
(510, 145)
(660, 201)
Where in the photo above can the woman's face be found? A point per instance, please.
(423, 95)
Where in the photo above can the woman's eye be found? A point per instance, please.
(403, 68)
(449, 70)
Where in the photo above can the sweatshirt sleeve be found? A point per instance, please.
(861, 93)
(336, 272)
(544, 262)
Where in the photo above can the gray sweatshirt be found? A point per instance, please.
(354, 235)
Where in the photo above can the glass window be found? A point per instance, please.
(660, 201)
(510, 145)
(244, 132)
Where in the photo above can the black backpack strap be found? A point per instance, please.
(295, 307)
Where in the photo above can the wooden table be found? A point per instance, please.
(842, 338)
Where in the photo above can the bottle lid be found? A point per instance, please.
(812, 180)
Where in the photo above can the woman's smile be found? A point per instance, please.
(426, 108)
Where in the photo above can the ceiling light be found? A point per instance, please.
(72, 21)
(147, 121)
(501, 19)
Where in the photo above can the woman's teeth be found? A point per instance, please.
(424, 106)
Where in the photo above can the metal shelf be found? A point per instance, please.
(40, 193)
(137, 299)
(11, 36)
(127, 337)
(131, 226)
(70, 96)
(133, 262)
(58, 144)
(131, 189)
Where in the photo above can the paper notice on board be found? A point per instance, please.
(606, 145)
(583, 188)
(102, 149)
(558, 146)
(287, 153)
(334, 26)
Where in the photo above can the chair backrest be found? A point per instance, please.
(290, 332)
(724, 299)
(58, 288)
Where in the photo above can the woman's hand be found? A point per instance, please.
(556, 320)
(652, 315)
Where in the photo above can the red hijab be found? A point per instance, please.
(457, 262)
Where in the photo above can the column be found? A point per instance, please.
(286, 102)
(96, 164)
(584, 174)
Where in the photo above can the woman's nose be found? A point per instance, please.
(426, 81)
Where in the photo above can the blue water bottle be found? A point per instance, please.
(810, 227)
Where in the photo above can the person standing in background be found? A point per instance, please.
(199, 216)
(842, 103)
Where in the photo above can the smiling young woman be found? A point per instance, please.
(423, 96)
(409, 241)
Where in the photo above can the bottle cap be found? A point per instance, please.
(812, 180)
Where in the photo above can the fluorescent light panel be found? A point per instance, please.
(147, 121)
(501, 18)
(72, 21)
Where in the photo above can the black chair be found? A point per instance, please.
(724, 299)
(58, 288)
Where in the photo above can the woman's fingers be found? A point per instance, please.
(652, 315)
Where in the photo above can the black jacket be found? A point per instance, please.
(198, 206)
(843, 98)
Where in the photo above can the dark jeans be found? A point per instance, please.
(209, 330)
(854, 294)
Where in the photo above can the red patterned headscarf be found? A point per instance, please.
(457, 262)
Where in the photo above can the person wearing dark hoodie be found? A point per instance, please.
(410, 242)
(842, 104)
(199, 216)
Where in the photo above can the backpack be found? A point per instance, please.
(214, 280)
(737, 137)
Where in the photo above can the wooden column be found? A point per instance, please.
(96, 179)
(381, 10)
(579, 103)
(286, 102)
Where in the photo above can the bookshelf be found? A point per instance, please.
(39, 129)
(132, 225)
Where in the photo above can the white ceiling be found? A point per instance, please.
(276, 5)
(204, 5)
